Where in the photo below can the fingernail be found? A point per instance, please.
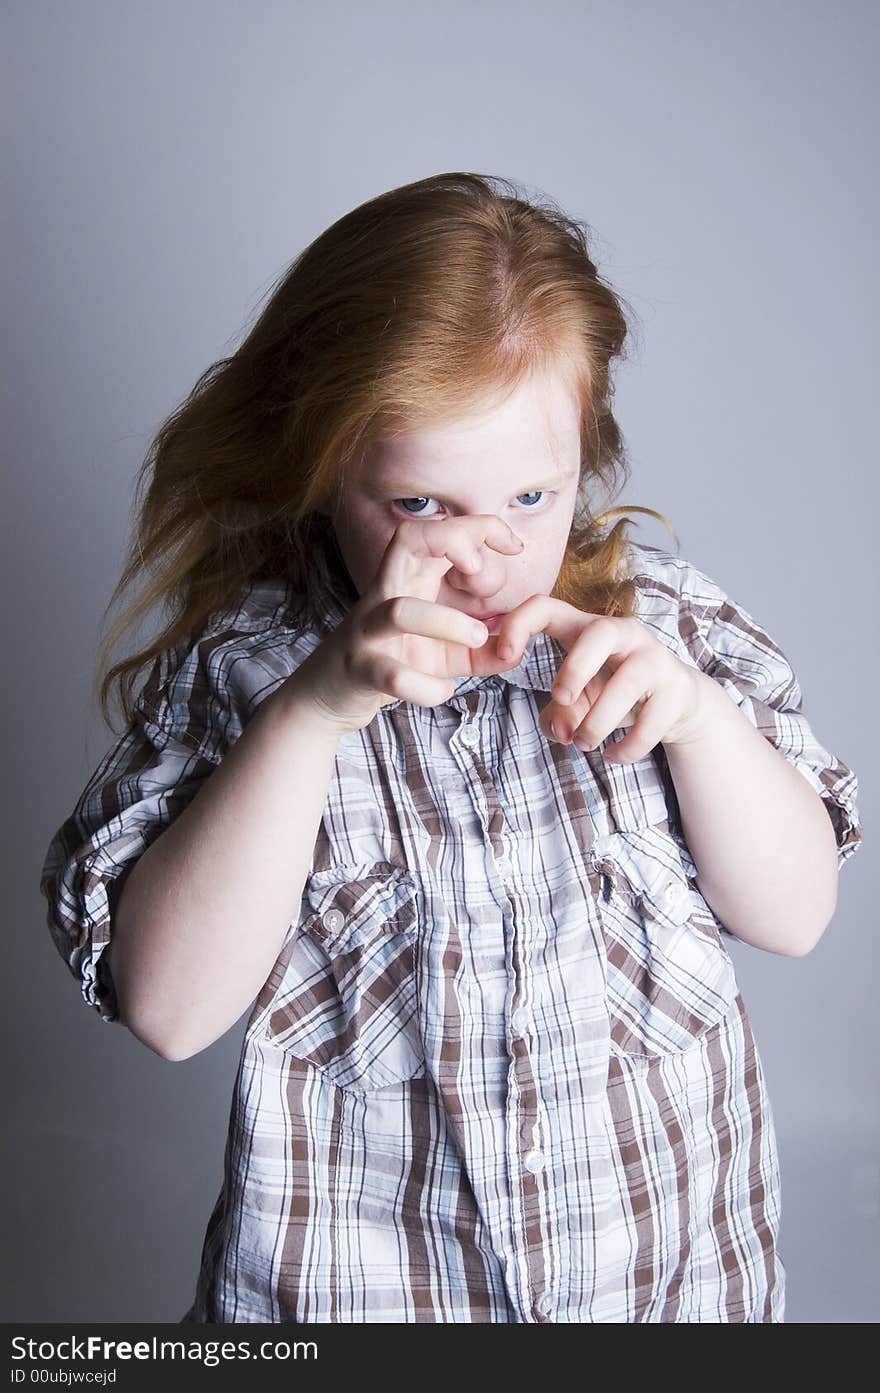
(563, 695)
(505, 650)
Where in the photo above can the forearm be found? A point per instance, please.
(759, 834)
(202, 916)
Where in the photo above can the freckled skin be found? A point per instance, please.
(495, 461)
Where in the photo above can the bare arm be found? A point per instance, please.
(202, 916)
(759, 834)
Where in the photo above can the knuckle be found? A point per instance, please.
(395, 611)
(350, 661)
(361, 669)
(390, 681)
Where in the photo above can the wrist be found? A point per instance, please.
(294, 704)
(701, 719)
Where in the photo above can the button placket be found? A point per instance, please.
(669, 902)
(545, 1303)
(519, 1020)
(453, 790)
(670, 893)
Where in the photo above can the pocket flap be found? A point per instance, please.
(344, 994)
(669, 975)
(647, 866)
(359, 900)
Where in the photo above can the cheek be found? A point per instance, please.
(549, 557)
(548, 547)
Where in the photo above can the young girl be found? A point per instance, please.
(497, 1066)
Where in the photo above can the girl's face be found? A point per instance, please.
(519, 460)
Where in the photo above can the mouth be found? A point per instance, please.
(492, 621)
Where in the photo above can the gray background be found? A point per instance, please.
(162, 164)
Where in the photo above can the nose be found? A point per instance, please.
(480, 585)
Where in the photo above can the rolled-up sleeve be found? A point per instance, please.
(140, 786)
(192, 708)
(731, 645)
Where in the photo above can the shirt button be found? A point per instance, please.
(534, 1161)
(505, 869)
(544, 1303)
(669, 893)
(469, 734)
(519, 1021)
(333, 919)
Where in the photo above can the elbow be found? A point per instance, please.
(172, 1056)
(172, 1046)
(126, 1014)
(147, 1032)
(163, 1042)
(829, 912)
(157, 1043)
(811, 925)
(169, 1040)
(802, 949)
(163, 1050)
(806, 945)
(140, 1016)
(176, 1054)
(824, 898)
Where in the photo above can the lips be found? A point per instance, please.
(492, 621)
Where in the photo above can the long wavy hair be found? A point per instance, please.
(413, 308)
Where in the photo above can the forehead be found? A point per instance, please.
(539, 423)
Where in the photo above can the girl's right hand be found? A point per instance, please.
(397, 643)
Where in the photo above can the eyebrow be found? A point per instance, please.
(403, 488)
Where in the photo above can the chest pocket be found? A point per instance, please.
(670, 977)
(345, 992)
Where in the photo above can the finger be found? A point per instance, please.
(605, 638)
(426, 550)
(558, 723)
(562, 722)
(485, 529)
(658, 711)
(619, 695)
(486, 661)
(379, 672)
(407, 614)
(538, 614)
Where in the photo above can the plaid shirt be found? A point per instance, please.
(501, 1069)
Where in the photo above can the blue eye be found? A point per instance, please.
(411, 500)
(536, 493)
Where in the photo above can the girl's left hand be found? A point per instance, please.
(617, 674)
